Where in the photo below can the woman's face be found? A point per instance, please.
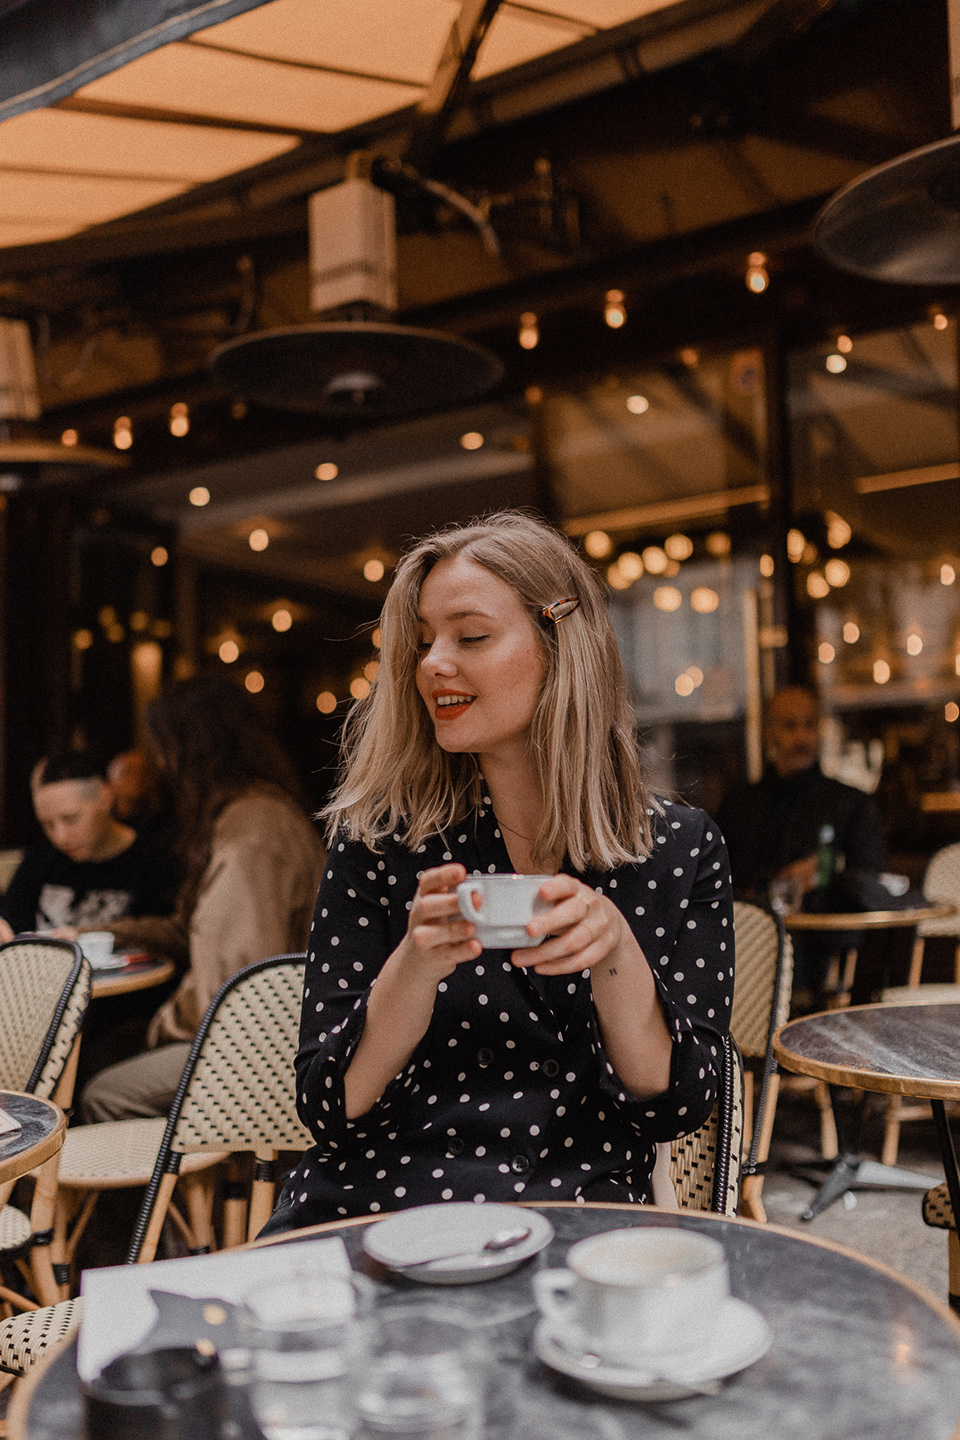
(481, 665)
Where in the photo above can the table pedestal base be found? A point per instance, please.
(851, 1173)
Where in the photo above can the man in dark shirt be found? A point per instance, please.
(775, 828)
(92, 868)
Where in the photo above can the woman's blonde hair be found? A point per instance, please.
(396, 778)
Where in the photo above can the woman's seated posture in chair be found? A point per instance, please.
(499, 736)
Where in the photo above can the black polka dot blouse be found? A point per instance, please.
(509, 1094)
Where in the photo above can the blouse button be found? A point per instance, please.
(484, 1057)
(519, 1164)
(550, 1068)
(454, 1146)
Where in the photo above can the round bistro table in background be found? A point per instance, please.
(42, 1128)
(141, 975)
(893, 1049)
(858, 1351)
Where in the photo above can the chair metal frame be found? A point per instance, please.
(705, 1165)
(761, 1000)
(190, 1128)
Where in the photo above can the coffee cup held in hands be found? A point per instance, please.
(637, 1296)
(501, 907)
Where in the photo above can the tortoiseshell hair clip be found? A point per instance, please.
(559, 609)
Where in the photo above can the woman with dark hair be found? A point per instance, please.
(252, 863)
(499, 737)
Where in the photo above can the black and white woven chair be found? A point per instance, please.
(237, 1095)
(44, 993)
(705, 1165)
(761, 1000)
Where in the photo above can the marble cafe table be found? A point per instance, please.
(893, 1049)
(858, 1351)
(42, 1128)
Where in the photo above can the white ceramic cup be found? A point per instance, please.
(501, 907)
(635, 1296)
(97, 945)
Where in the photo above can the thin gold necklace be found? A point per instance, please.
(504, 826)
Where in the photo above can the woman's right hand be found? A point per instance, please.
(438, 939)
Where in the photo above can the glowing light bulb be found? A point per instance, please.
(258, 539)
(947, 575)
(844, 344)
(360, 688)
(683, 685)
(851, 632)
(940, 321)
(631, 565)
(757, 276)
(667, 597)
(839, 532)
(472, 440)
(678, 547)
(69, 438)
(766, 566)
(528, 336)
(837, 572)
(704, 600)
(826, 653)
(597, 544)
(179, 419)
(614, 311)
(254, 682)
(638, 404)
(796, 544)
(326, 702)
(327, 471)
(951, 711)
(655, 559)
(159, 556)
(836, 364)
(818, 587)
(281, 619)
(914, 644)
(123, 432)
(229, 652)
(373, 571)
(199, 495)
(881, 672)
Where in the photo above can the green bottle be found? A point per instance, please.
(826, 857)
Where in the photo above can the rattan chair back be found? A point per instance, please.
(238, 1090)
(44, 993)
(762, 978)
(941, 882)
(705, 1165)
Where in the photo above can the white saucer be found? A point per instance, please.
(425, 1230)
(739, 1336)
(114, 961)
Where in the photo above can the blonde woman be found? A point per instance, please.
(499, 736)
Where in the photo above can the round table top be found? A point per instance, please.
(857, 1349)
(140, 975)
(896, 1049)
(868, 919)
(42, 1128)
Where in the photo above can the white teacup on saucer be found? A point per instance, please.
(637, 1297)
(97, 946)
(501, 906)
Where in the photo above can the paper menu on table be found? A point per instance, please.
(8, 1124)
(118, 1312)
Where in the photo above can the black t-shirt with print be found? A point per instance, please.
(49, 889)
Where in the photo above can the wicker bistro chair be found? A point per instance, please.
(237, 1094)
(705, 1165)
(761, 1000)
(44, 993)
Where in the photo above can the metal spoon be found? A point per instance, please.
(502, 1240)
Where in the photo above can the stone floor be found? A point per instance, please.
(883, 1224)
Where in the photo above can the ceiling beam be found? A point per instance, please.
(436, 106)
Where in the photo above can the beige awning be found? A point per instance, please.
(248, 90)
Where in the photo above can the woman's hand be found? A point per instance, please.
(584, 929)
(438, 939)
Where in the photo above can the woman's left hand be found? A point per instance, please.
(584, 928)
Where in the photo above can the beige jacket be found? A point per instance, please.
(256, 899)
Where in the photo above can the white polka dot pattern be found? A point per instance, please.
(510, 1090)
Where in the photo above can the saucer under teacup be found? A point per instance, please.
(738, 1336)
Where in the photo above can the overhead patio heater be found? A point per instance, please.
(901, 221)
(356, 365)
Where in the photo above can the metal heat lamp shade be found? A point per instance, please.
(356, 370)
(899, 222)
